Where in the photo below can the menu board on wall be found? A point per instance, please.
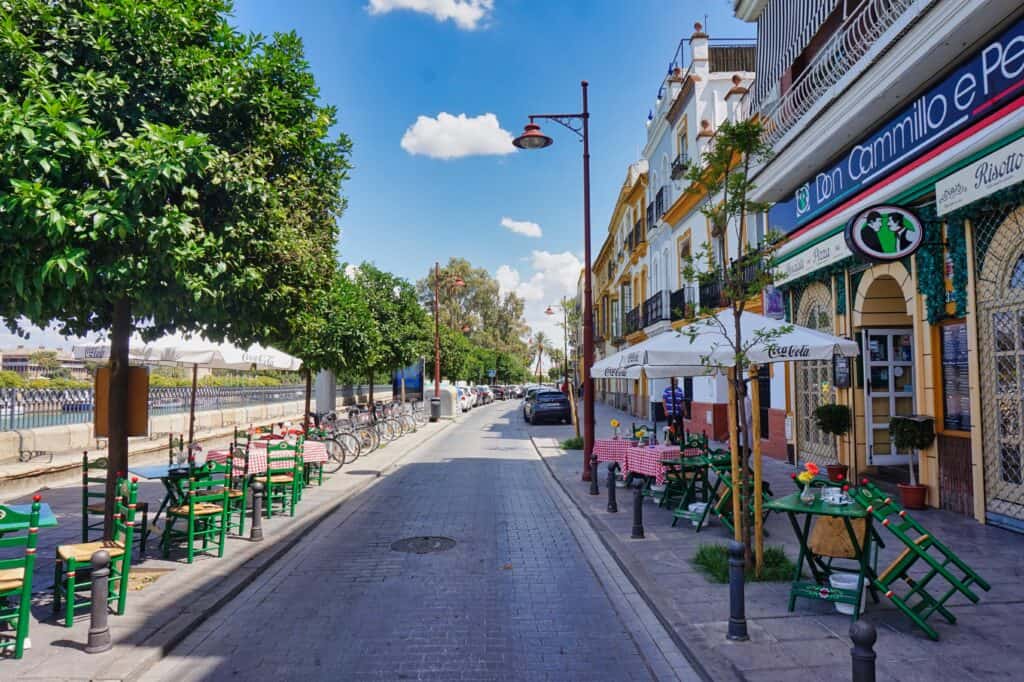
(956, 396)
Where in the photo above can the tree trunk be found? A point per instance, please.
(117, 409)
(370, 400)
(305, 413)
(741, 423)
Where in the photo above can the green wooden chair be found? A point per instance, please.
(312, 471)
(205, 515)
(237, 488)
(93, 495)
(283, 478)
(16, 576)
(71, 578)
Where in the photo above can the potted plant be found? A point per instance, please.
(913, 433)
(837, 421)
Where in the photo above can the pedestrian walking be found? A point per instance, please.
(672, 399)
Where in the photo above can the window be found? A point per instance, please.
(956, 397)
(757, 228)
(1017, 277)
(685, 253)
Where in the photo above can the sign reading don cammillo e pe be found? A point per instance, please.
(990, 79)
(884, 233)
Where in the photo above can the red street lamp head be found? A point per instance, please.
(459, 282)
(465, 328)
(532, 138)
(549, 311)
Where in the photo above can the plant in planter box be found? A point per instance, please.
(913, 433)
(837, 421)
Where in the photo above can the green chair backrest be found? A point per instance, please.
(25, 535)
(124, 512)
(206, 489)
(98, 464)
(282, 457)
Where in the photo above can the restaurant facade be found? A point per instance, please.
(904, 231)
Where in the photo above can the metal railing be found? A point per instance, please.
(681, 303)
(634, 320)
(712, 295)
(680, 165)
(659, 203)
(30, 408)
(654, 309)
(844, 49)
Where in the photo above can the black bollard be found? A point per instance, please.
(638, 514)
(99, 630)
(594, 489)
(256, 532)
(862, 652)
(737, 616)
(613, 505)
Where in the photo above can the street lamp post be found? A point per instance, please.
(453, 281)
(533, 138)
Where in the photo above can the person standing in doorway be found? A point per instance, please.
(672, 400)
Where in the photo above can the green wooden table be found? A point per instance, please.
(819, 568)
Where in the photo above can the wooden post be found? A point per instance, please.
(735, 455)
(755, 441)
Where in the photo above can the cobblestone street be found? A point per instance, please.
(515, 598)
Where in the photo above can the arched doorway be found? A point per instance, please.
(887, 332)
(814, 312)
(1000, 291)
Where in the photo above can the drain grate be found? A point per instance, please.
(423, 544)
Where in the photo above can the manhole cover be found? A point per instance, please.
(423, 544)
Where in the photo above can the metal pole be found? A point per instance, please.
(192, 406)
(588, 311)
(437, 335)
(613, 505)
(256, 532)
(863, 653)
(737, 616)
(594, 490)
(99, 629)
(638, 514)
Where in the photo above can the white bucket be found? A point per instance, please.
(847, 581)
(697, 508)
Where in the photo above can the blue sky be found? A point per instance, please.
(384, 66)
(384, 69)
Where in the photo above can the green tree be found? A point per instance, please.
(724, 177)
(46, 360)
(400, 319)
(160, 172)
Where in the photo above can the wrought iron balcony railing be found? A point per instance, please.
(633, 320)
(680, 165)
(660, 203)
(843, 50)
(682, 303)
(654, 309)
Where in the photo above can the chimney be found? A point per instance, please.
(734, 98)
(699, 49)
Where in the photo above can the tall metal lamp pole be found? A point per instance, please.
(533, 138)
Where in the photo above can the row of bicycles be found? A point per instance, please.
(361, 430)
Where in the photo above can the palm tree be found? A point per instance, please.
(541, 347)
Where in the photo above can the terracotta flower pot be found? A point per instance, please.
(913, 496)
(837, 472)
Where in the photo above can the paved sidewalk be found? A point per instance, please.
(812, 642)
(182, 595)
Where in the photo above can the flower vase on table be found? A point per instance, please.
(615, 429)
(806, 478)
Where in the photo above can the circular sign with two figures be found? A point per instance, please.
(884, 233)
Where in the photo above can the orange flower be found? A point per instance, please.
(813, 468)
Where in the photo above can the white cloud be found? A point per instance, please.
(550, 277)
(523, 227)
(467, 14)
(453, 137)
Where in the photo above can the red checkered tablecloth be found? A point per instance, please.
(313, 452)
(609, 450)
(646, 461)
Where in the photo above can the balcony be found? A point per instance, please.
(660, 203)
(712, 295)
(654, 309)
(854, 38)
(680, 165)
(682, 303)
(633, 320)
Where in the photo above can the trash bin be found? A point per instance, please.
(435, 408)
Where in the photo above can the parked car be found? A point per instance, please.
(486, 394)
(464, 399)
(546, 406)
(499, 392)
